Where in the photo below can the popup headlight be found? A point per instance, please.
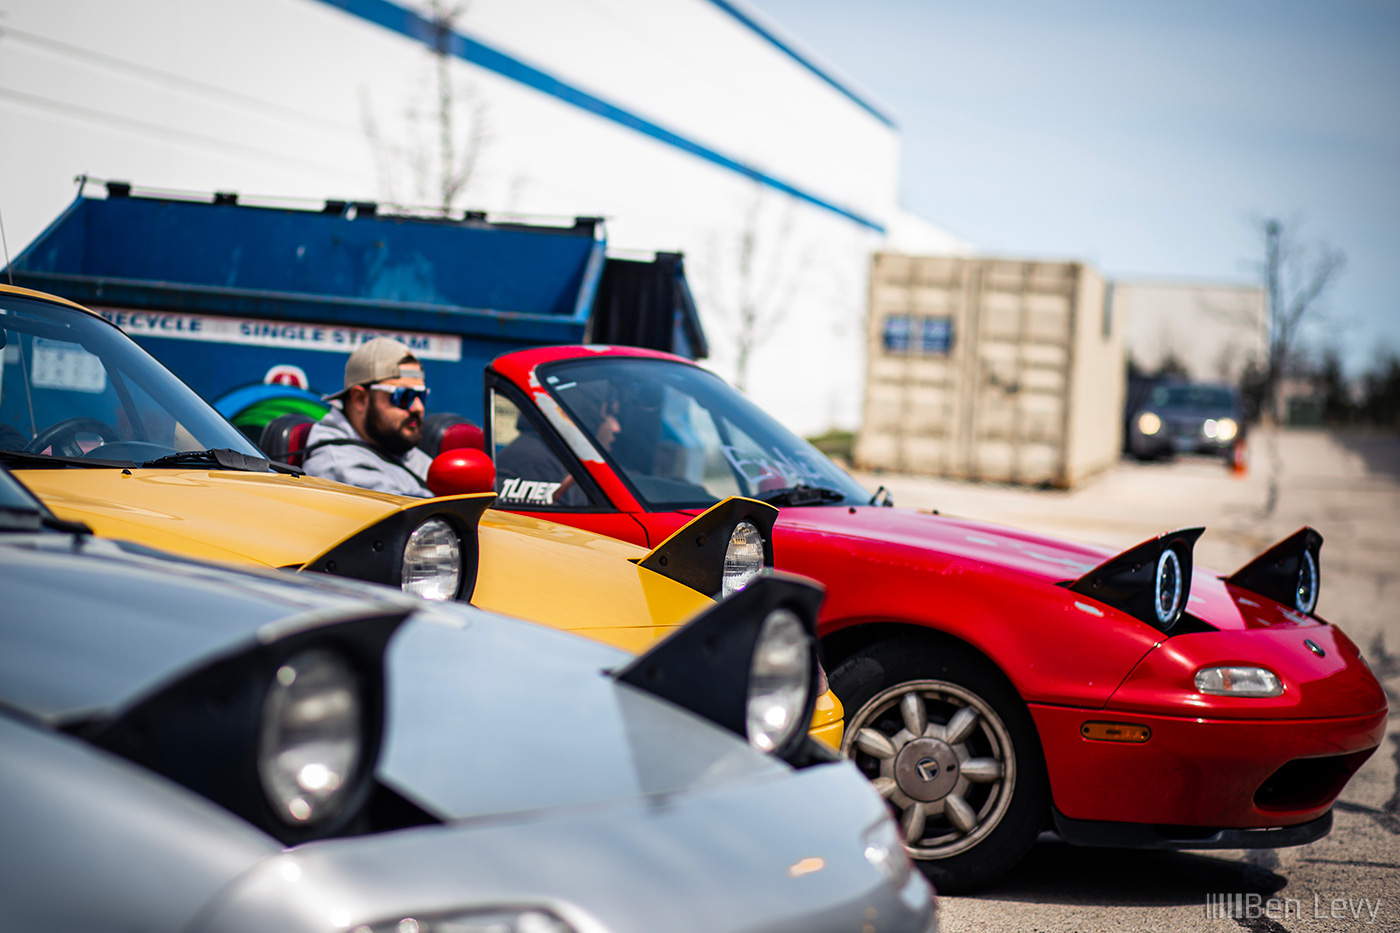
(311, 738)
(1306, 595)
(1148, 423)
(1288, 573)
(1238, 682)
(1167, 588)
(747, 664)
(432, 561)
(780, 680)
(743, 558)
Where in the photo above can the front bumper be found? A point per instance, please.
(780, 853)
(1196, 772)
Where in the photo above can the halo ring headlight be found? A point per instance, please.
(1166, 588)
(432, 561)
(780, 679)
(743, 558)
(312, 736)
(1306, 594)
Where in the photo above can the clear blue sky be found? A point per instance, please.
(1144, 136)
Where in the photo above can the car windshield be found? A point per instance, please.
(682, 437)
(1194, 397)
(73, 386)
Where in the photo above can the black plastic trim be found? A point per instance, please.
(1106, 834)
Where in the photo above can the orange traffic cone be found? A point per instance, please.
(1239, 461)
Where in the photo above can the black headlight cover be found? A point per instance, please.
(375, 554)
(1128, 582)
(704, 666)
(1281, 572)
(694, 554)
(204, 729)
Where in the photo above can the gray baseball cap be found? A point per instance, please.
(380, 358)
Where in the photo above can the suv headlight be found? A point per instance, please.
(1238, 682)
(432, 561)
(779, 681)
(1148, 423)
(311, 737)
(743, 558)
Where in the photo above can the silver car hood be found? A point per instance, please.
(790, 855)
(488, 715)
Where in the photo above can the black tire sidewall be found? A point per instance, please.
(871, 671)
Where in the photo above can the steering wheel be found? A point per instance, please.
(62, 436)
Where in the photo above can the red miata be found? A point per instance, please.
(996, 683)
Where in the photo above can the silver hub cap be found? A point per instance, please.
(943, 759)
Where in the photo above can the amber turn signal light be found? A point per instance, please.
(1115, 732)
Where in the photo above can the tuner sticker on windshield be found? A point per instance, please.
(534, 492)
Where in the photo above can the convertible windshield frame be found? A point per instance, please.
(149, 411)
(782, 453)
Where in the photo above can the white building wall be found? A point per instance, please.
(272, 97)
(1215, 330)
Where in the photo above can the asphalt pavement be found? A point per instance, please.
(1347, 486)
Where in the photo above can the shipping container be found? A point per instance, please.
(991, 369)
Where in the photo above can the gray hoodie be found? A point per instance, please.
(360, 464)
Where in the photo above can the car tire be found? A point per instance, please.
(968, 823)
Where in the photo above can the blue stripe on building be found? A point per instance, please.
(406, 22)
(779, 43)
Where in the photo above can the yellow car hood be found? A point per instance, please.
(536, 570)
(269, 519)
(529, 566)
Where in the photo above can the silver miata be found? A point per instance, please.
(190, 748)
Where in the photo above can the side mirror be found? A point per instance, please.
(461, 472)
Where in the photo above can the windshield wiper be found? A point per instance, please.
(801, 495)
(223, 458)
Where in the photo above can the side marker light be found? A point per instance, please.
(1115, 732)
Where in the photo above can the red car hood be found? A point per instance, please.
(1039, 556)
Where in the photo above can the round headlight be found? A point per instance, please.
(1149, 423)
(1226, 429)
(743, 558)
(1306, 597)
(432, 561)
(1167, 588)
(779, 680)
(312, 737)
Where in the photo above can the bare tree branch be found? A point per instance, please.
(1296, 277)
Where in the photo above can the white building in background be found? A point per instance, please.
(691, 125)
(1214, 330)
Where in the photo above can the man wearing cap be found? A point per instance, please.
(368, 437)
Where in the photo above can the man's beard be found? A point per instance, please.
(387, 438)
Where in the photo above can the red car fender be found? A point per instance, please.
(1052, 646)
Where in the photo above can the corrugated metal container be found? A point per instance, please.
(991, 369)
